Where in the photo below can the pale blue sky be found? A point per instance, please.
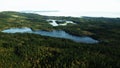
(87, 7)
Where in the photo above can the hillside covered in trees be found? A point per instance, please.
(25, 50)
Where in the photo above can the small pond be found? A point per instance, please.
(54, 33)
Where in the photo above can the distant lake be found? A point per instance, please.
(77, 13)
(54, 33)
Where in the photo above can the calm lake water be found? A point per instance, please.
(54, 33)
(17, 30)
(80, 13)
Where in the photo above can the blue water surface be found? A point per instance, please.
(54, 33)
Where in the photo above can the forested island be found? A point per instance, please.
(27, 50)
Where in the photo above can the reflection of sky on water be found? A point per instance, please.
(54, 33)
(79, 14)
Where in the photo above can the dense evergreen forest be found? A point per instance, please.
(25, 50)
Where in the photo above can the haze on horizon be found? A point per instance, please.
(104, 8)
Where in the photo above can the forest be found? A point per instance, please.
(25, 50)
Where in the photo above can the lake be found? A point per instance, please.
(79, 13)
(54, 33)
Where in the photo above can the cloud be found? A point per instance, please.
(61, 5)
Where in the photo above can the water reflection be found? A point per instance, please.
(54, 33)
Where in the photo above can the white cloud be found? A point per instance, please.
(62, 5)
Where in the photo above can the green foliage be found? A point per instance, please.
(15, 19)
(35, 51)
(39, 51)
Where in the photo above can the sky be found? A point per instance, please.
(109, 8)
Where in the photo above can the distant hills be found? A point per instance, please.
(31, 11)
